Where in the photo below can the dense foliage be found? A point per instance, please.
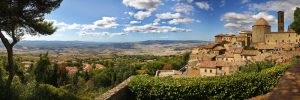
(296, 23)
(237, 86)
(47, 77)
(49, 92)
(257, 67)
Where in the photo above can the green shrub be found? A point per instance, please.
(236, 86)
(49, 92)
(257, 67)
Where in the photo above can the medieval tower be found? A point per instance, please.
(280, 21)
(259, 30)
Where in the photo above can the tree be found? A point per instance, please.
(296, 24)
(20, 17)
(43, 70)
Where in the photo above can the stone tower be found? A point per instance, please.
(259, 30)
(280, 15)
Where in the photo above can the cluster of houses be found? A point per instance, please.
(231, 51)
(71, 70)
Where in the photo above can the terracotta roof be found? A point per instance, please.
(87, 67)
(72, 70)
(209, 46)
(208, 57)
(237, 51)
(250, 52)
(228, 55)
(262, 21)
(215, 64)
(218, 48)
(224, 35)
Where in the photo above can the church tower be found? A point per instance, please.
(280, 15)
(259, 30)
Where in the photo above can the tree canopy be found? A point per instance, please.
(20, 17)
(296, 24)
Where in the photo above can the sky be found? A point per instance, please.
(141, 20)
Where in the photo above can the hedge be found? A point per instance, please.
(49, 92)
(236, 86)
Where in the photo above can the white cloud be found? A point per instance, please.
(245, 1)
(183, 8)
(266, 16)
(190, 1)
(129, 13)
(62, 26)
(240, 21)
(135, 22)
(203, 5)
(181, 21)
(141, 15)
(150, 28)
(104, 23)
(142, 4)
(168, 15)
(156, 21)
(288, 6)
(100, 34)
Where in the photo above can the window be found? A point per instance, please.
(210, 71)
(268, 41)
(276, 41)
(282, 40)
(289, 35)
(205, 70)
(296, 40)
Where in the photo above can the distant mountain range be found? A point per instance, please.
(82, 44)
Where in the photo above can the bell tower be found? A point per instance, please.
(280, 15)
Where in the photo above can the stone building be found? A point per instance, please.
(261, 34)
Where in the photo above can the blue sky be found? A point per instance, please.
(139, 20)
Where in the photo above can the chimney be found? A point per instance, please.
(280, 21)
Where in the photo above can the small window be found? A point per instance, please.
(268, 41)
(276, 41)
(289, 35)
(282, 40)
(205, 70)
(210, 71)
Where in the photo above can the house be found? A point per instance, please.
(27, 65)
(71, 70)
(87, 67)
(165, 73)
(248, 55)
(217, 68)
(99, 66)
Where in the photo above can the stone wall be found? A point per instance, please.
(120, 92)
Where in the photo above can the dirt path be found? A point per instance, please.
(288, 87)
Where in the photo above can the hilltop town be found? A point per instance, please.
(229, 52)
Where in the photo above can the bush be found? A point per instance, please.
(236, 86)
(257, 67)
(49, 92)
